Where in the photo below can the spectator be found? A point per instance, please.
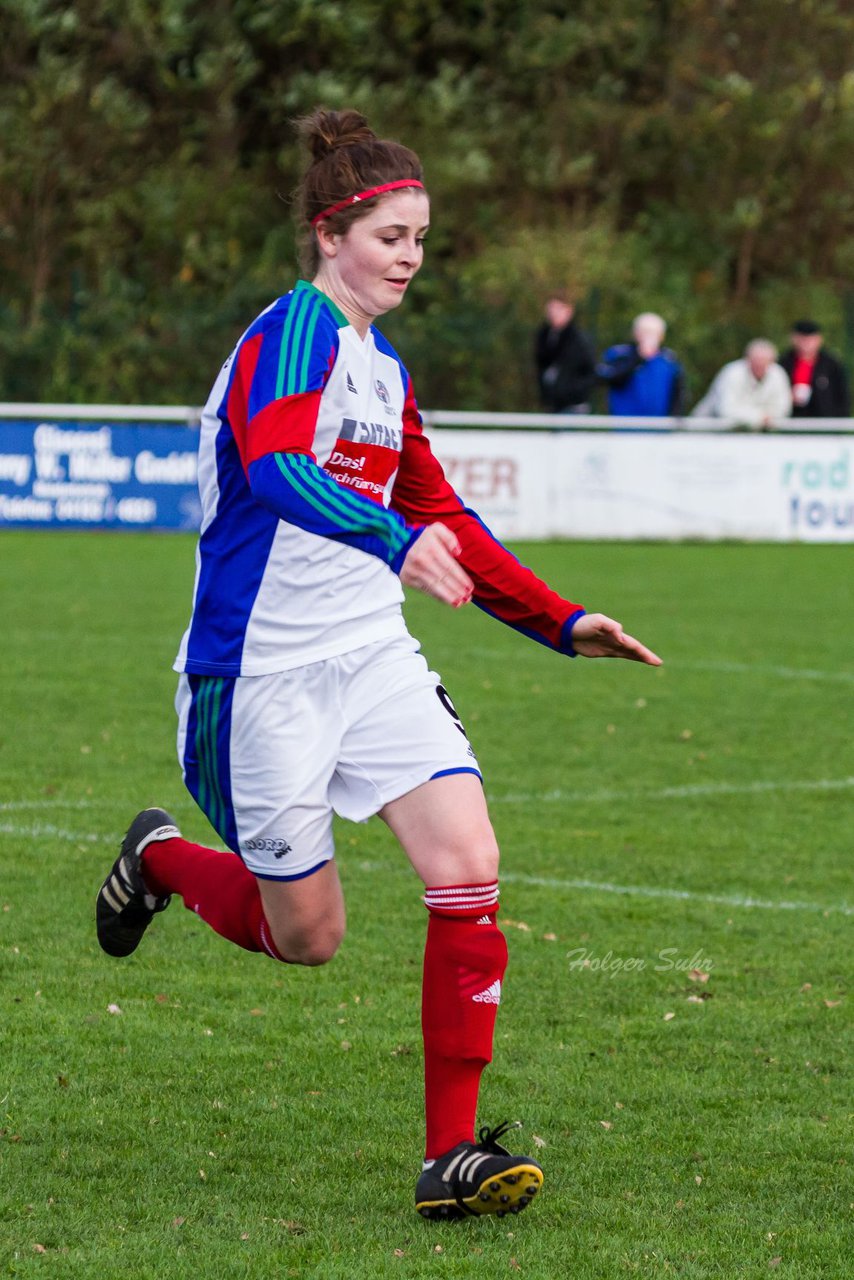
(564, 358)
(644, 379)
(819, 384)
(753, 391)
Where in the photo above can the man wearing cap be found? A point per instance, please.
(819, 382)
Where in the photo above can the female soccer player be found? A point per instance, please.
(301, 691)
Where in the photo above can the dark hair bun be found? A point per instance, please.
(347, 159)
(326, 131)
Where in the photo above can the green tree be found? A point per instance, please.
(686, 155)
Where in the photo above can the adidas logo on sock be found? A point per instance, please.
(484, 920)
(492, 994)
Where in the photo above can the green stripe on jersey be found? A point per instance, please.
(321, 499)
(303, 315)
(306, 355)
(284, 346)
(211, 800)
(302, 311)
(201, 749)
(304, 286)
(219, 824)
(340, 506)
(378, 521)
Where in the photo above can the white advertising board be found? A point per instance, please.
(507, 477)
(527, 476)
(527, 484)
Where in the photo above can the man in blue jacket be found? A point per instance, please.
(644, 378)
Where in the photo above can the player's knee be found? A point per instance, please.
(477, 860)
(481, 869)
(306, 918)
(312, 947)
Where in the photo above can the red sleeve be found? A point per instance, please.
(273, 402)
(502, 586)
(283, 426)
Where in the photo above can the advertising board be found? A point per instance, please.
(84, 474)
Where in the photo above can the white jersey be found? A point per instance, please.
(271, 595)
(316, 478)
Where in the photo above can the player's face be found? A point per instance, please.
(367, 270)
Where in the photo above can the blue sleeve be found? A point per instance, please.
(618, 364)
(297, 490)
(300, 343)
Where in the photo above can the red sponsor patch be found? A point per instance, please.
(362, 468)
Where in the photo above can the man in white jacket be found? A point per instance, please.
(753, 392)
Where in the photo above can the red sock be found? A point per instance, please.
(216, 885)
(464, 962)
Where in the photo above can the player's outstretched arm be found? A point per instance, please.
(596, 636)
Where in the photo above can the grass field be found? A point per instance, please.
(199, 1112)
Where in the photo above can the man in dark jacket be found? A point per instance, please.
(819, 383)
(565, 360)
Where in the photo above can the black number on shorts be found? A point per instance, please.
(445, 699)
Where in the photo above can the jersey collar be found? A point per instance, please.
(305, 286)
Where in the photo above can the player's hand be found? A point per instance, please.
(431, 566)
(596, 636)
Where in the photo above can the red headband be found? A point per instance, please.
(365, 195)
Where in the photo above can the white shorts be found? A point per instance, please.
(269, 758)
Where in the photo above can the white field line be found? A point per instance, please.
(19, 806)
(559, 796)
(38, 829)
(763, 669)
(711, 664)
(677, 895)
(512, 877)
(738, 901)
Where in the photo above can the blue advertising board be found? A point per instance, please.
(82, 475)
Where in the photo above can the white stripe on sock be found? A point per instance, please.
(463, 890)
(463, 898)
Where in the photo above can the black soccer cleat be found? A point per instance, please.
(478, 1177)
(124, 908)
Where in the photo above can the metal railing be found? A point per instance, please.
(607, 422)
(463, 419)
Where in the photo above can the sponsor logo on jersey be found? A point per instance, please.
(380, 433)
(351, 386)
(382, 391)
(339, 459)
(364, 467)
